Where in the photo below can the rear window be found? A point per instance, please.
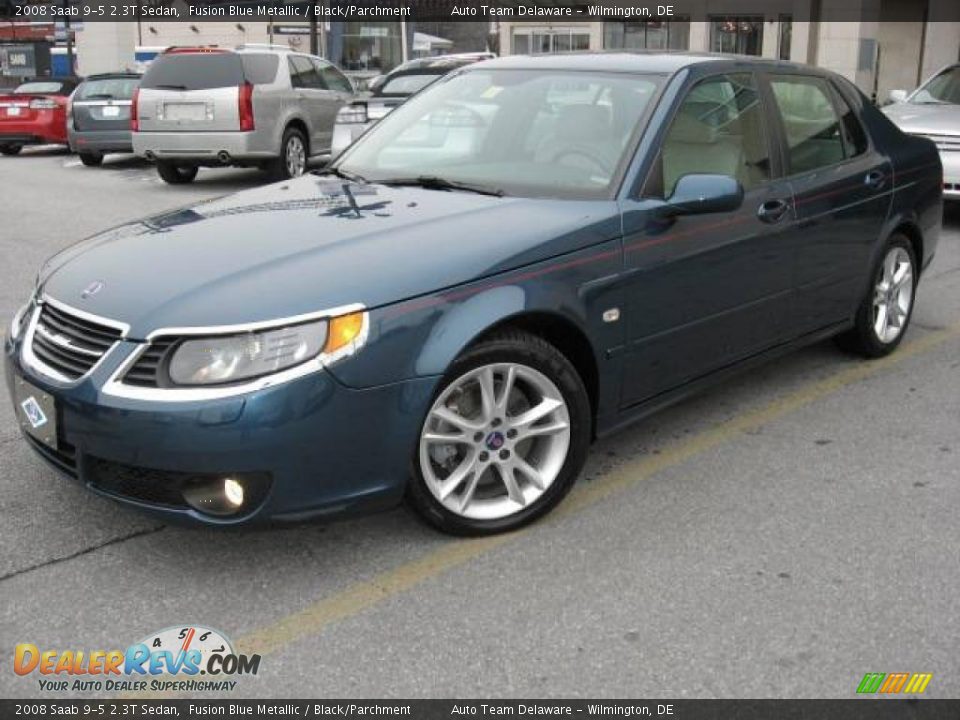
(43, 88)
(194, 71)
(107, 89)
(260, 68)
(406, 84)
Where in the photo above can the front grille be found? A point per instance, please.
(69, 345)
(945, 143)
(157, 487)
(148, 370)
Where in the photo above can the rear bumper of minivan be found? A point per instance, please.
(205, 148)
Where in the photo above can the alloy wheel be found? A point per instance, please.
(295, 156)
(893, 295)
(494, 441)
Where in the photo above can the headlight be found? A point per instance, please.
(233, 358)
(16, 325)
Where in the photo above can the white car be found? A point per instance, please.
(933, 111)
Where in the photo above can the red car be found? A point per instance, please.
(35, 113)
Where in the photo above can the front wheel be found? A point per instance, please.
(176, 174)
(11, 149)
(885, 312)
(91, 159)
(504, 440)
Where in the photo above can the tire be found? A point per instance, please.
(91, 159)
(11, 149)
(872, 336)
(481, 500)
(176, 174)
(283, 167)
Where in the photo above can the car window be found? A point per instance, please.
(533, 133)
(813, 130)
(718, 129)
(120, 88)
(303, 74)
(406, 84)
(42, 88)
(194, 71)
(332, 78)
(854, 136)
(260, 68)
(944, 88)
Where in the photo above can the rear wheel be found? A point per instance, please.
(91, 159)
(885, 312)
(176, 174)
(11, 149)
(504, 440)
(292, 161)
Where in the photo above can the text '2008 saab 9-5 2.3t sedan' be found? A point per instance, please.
(530, 254)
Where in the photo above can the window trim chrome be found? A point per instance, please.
(115, 387)
(30, 359)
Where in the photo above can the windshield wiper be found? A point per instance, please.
(105, 96)
(170, 87)
(432, 182)
(352, 177)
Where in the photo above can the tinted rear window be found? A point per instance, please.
(260, 69)
(406, 84)
(107, 89)
(194, 71)
(43, 88)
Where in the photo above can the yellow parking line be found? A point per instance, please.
(364, 595)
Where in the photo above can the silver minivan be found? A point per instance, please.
(253, 106)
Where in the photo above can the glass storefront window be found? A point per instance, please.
(647, 35)
(539, 41)
(371, 46)
(740, 34)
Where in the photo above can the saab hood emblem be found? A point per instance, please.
(91, 289)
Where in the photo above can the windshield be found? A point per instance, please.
(406, 84)
(944, 88)
(120, 88)
(525, 132)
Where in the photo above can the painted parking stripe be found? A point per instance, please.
(363, 596)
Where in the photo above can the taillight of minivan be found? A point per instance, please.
(245, 101)
(134, 115)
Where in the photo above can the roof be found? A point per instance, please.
(639, 61)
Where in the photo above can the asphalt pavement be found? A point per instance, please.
(779, 536)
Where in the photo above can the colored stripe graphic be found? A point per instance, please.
(894, 683)
(871, 682)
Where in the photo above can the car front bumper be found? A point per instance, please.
(951, 174)
(327, 449)
(101, 141)
(206, 148)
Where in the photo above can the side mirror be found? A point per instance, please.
(699, 194)
(898, 96)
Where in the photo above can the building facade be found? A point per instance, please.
(880, 45)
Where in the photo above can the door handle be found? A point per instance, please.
(875, 179)
(773, 211)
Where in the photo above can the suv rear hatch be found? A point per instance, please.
(198, 90)
(103, 104)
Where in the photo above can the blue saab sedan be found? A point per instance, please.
(530, 254)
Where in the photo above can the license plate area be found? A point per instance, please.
(179, 112)
(111, 111)
(36, 412)
(13, 111)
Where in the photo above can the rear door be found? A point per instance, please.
(313, 100)
(338, 91)
(842, 188)
(191, 91)
(103, 104)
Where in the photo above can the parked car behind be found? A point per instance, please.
(933, 111)
(466, 298)
(393, 89)
(253, 106)
(35, 113)
(99, 116)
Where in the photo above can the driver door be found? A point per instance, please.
(708, 290)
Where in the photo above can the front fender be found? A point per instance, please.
(421, 337)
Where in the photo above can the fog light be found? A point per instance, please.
(233, 491)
